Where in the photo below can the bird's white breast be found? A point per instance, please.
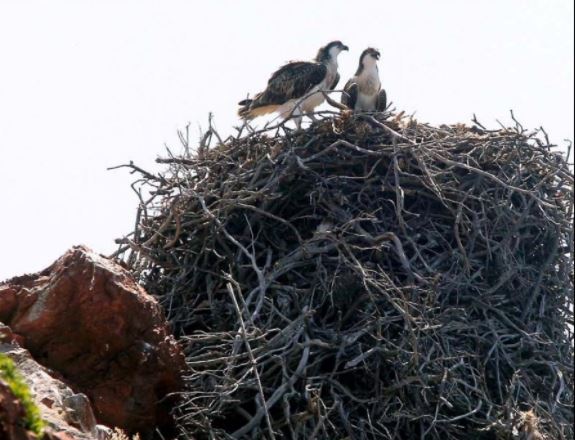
(369, 85)
(330, 76)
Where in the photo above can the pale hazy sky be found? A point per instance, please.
(85, 85)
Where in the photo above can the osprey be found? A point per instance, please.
(296, 88)
(363, 92)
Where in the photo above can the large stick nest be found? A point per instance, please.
(366, 279)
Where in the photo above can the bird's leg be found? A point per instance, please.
(313, 117)
(297, 117)
(297, 120)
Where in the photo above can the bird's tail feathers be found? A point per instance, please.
(244, 110)
(251, 110)
(252, 113)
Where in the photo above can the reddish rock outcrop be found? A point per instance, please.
(86, 318)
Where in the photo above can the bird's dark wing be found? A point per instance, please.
(381, 104)
(349, 97)
(292, 81)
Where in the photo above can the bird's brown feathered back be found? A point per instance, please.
(291, 81)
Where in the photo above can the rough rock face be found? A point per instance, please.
(68, 415)
(87, 319)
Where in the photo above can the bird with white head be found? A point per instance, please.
(363, 92)
(298, 87)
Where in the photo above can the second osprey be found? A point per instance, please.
(363, 92)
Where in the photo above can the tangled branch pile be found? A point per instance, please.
(366, 279)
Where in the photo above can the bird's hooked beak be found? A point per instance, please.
(344, 47)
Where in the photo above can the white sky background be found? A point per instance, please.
(85, 85)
